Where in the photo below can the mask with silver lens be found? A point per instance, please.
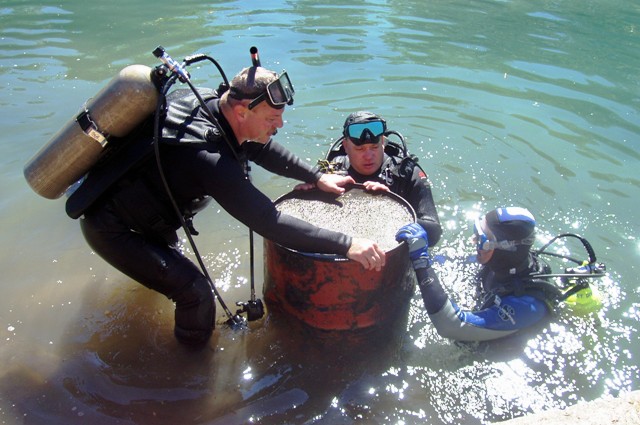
(278, 93)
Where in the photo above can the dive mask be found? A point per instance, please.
(366, 132)
(278, 93)
(483, 243)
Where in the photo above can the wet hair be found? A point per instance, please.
(251, 83)
(511, 224)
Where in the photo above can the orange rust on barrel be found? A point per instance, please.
(332, 293)
(336, 295)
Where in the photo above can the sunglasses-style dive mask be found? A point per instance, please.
(367, 132)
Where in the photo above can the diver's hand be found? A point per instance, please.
(367, 253)
(418, 241)
(373, 186)
(334, 183)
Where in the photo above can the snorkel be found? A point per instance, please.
(255, 58)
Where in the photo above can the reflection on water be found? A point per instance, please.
(518, 102)
(544, 367)
(124, 363)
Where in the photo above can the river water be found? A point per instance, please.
(531, 103)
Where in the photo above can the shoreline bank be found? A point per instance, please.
(621, 410)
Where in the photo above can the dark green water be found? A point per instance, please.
(532, 103)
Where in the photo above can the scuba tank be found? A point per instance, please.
(129, 98)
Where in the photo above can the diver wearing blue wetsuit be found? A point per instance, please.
(513, 300)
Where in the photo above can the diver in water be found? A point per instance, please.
(366, 153)
(133, 224)
(513, 279)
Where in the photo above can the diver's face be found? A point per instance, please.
(366, 159)
(262, 122)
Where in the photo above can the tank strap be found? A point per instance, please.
(397, 169)
(90, 128)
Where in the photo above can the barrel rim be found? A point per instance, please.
(357, 186)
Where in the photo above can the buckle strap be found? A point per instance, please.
(90, 128)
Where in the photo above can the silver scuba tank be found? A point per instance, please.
(125, 102)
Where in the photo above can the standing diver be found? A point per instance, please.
(513, 279)
(204, 154)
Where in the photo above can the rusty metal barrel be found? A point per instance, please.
(331, 292)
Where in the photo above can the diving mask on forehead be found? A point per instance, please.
(277, 94)
(366, 132)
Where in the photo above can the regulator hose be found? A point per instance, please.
(180, 73)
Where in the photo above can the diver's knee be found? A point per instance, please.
(192, 337)
(195, 312)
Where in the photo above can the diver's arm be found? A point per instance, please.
(277, 159)
(420, 197)
(506, 317)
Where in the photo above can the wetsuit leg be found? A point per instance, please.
(158, 265)
(195, 312)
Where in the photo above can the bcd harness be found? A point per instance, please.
(539, 289)
(127, 173)
(397, 167)
(537, 285)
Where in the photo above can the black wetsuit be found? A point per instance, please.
(133, 225)
(406, 179)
